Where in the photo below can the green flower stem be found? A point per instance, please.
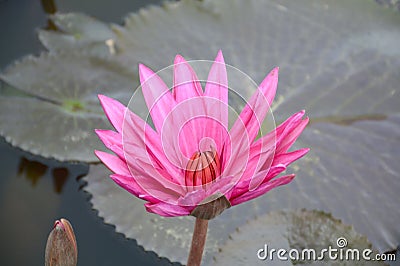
(198, 242)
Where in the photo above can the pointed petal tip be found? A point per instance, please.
(100, 132)
(287, 178)
(220, 57)
(305, 120)
(179, 59)
(301, 113)
(114, 110)
(106, 101)
(98, 153)
(142, 68)
(145, 70)
(103, 98)
(97, 131)
(291, 176)
(145, 73)
(102, 155)
(274, 73)
(302, 152)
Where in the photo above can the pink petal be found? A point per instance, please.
(193, 198)
(250, 183)
(198, 118)
(261, 190)
(285, 143)
(129, 183)
(152, 178)
(282, 130)
(261, 157)
(158, 98)
(217, 87)
(236, 154)
(112, 140)
(114, 111)
(152, 175)
(268, 88)
(273, 172)
(186, 83)
(114, 163)
(186, 87)
(267, 145)
(146, 188)
(186, 132)
(258, 106)
(280, 162)
(167, 210)
(247, 125)
(146, 159)
(143, 144)
(288, 158)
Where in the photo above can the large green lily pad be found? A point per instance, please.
(339, 60)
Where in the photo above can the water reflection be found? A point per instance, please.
(31, 170)
(49, 7)
(34, 170)
(60, 176)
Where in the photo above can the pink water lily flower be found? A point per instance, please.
(189, 162)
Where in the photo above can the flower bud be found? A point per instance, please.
(61, 249)
(202, 169)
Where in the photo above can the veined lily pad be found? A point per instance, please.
(339, 60)
(303, 235)
(59, 110)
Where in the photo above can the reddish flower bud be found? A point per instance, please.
(61, 249)
(202, 169)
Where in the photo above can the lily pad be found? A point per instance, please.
(339, 60)
(78, 31)
(299, 233)
(58, 110)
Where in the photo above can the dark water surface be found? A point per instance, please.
(34, 191)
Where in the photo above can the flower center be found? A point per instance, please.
(202, 168)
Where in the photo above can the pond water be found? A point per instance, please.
(34, 191)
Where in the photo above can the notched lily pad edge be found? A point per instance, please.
(89, 196)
